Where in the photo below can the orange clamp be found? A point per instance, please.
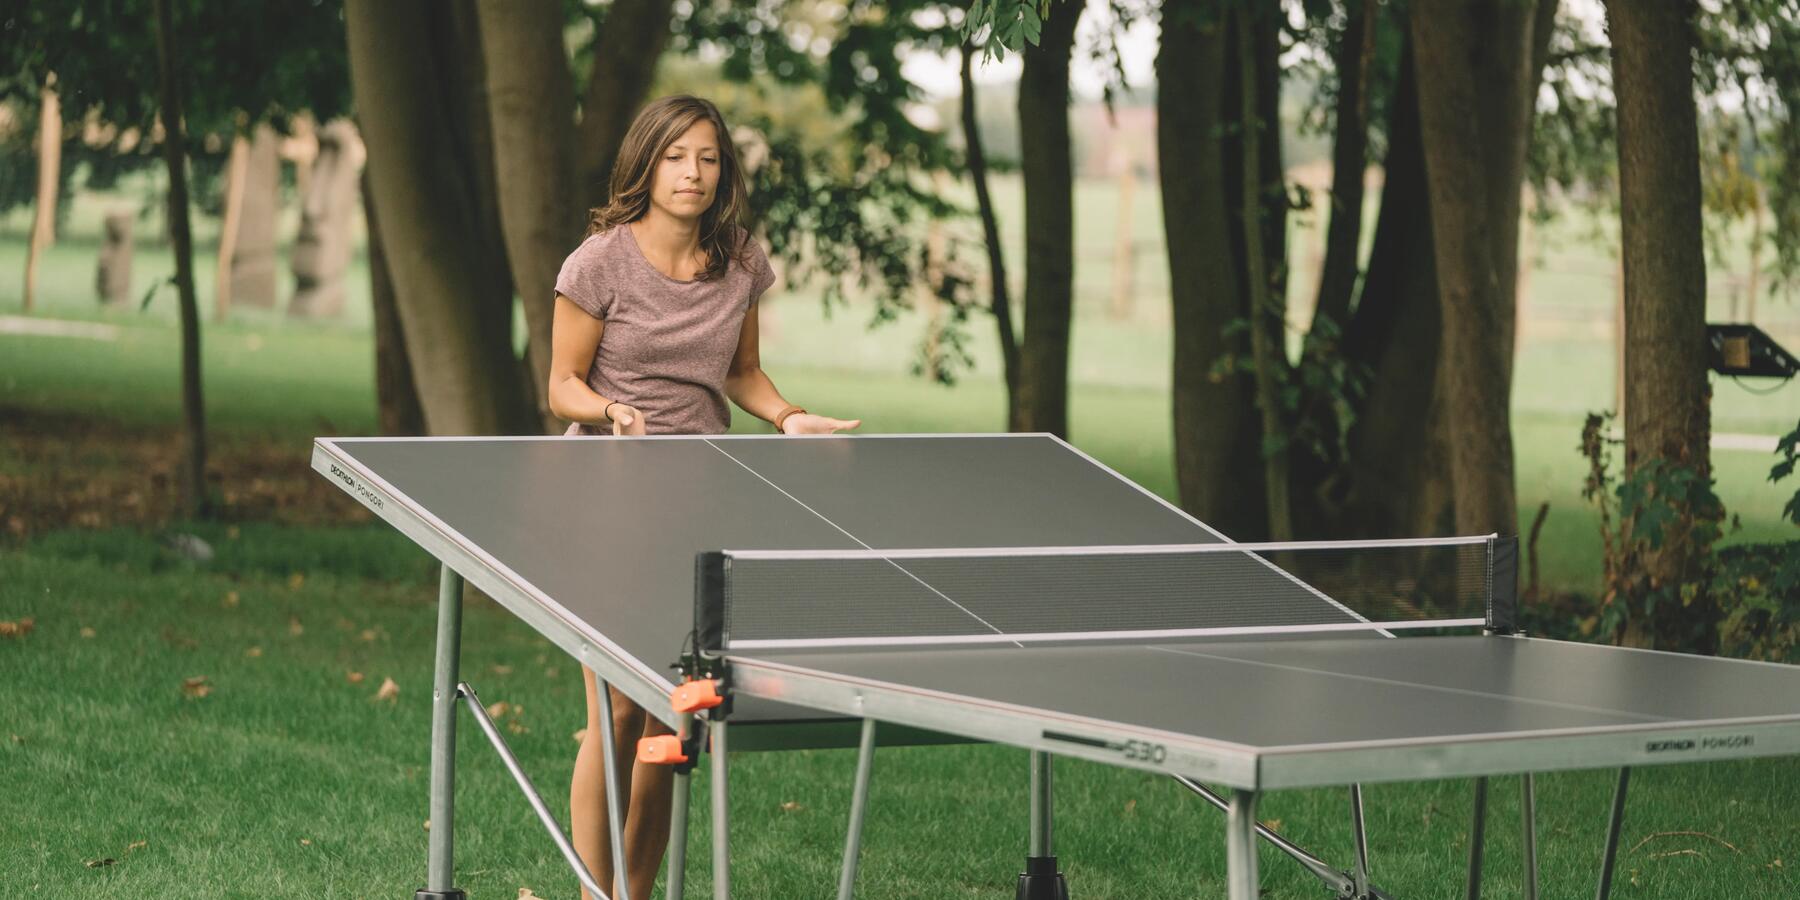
(662, 750)
(694, 696)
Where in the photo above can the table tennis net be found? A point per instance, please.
(747, 600)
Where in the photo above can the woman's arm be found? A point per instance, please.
(574, 339)
(751, 389)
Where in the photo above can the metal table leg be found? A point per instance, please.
(721, 808)
(1240, 846)
(440, 871)
(615, 824)
(1362, 842)
(1610, 856)
(1041, 880)
(1477, 835)
(676, 881)
(859, 804)
(1528, 840)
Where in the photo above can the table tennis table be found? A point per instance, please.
(854, 590)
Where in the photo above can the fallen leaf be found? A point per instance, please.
(526, 894)
(294, 627)
(196, 686)
(97, 863)
(1130, 807)
(791, 806)
(1273, 824)
(500, 669)
(353, 677)
(19, 740)
(305, 843)
(296, 581)
(231, 599)
(580, 735)
(550, 672)
(497, 709)
(427, 824)
(136, 845)
(388, 691)
(368, 635)
(87, 632)
(20, 628)
(231, 533)
(253, 652)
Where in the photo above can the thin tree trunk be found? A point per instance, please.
(1474, 76)
(194, 501)
(454, 297)
(1216, 462)
(624, 63)
(237, 170)
(1667, 396)
(531, 99)
(1265, 328)
(1349, 159)
(43, 218)
(990, 232)
(396, 398)
(1049, 223)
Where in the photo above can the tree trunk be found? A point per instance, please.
(990, 232)
(531, 99)
(1666, 391)
(1349, 159)
(43, 218)
(396, 398)
(1049, 224)
(194, 502)
(625, 58)
(237, 167)
(1397, 480)
(1216, 460)
(1266, 335)
(1474, 76)
(432, 231)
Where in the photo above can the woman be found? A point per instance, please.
(655, 327)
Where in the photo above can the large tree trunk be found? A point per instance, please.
(396, 398)
(625, 56)
(531, 99)
(1216, 460)
(990, 232)
(194, 503)
(1349, 159)
(1666, 393)
(1474, 78)
(454, 300)
(1049, 224)
(1397, 479)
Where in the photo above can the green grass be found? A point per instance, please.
(287, 780)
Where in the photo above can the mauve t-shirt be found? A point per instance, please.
(668, 343)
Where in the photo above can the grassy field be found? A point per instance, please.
(281, 774)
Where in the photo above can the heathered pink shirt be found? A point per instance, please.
(667, 343)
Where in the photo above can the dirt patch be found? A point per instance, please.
(62, 470)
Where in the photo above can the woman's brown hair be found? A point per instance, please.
(655, 128)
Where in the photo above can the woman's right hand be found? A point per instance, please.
(626, 420)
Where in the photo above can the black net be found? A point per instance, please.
(821, 599)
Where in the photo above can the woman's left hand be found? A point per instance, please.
(807, 423)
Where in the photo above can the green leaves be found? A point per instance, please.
(1010, 24)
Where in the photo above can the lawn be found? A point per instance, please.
(215, 730)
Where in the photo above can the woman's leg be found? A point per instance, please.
(647, 827)
(587, 786)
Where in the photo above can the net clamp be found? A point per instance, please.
(696, 695)
(669, 750)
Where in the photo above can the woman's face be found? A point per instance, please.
(687, 175)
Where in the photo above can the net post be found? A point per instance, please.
(1503, 585)
(709, 602)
